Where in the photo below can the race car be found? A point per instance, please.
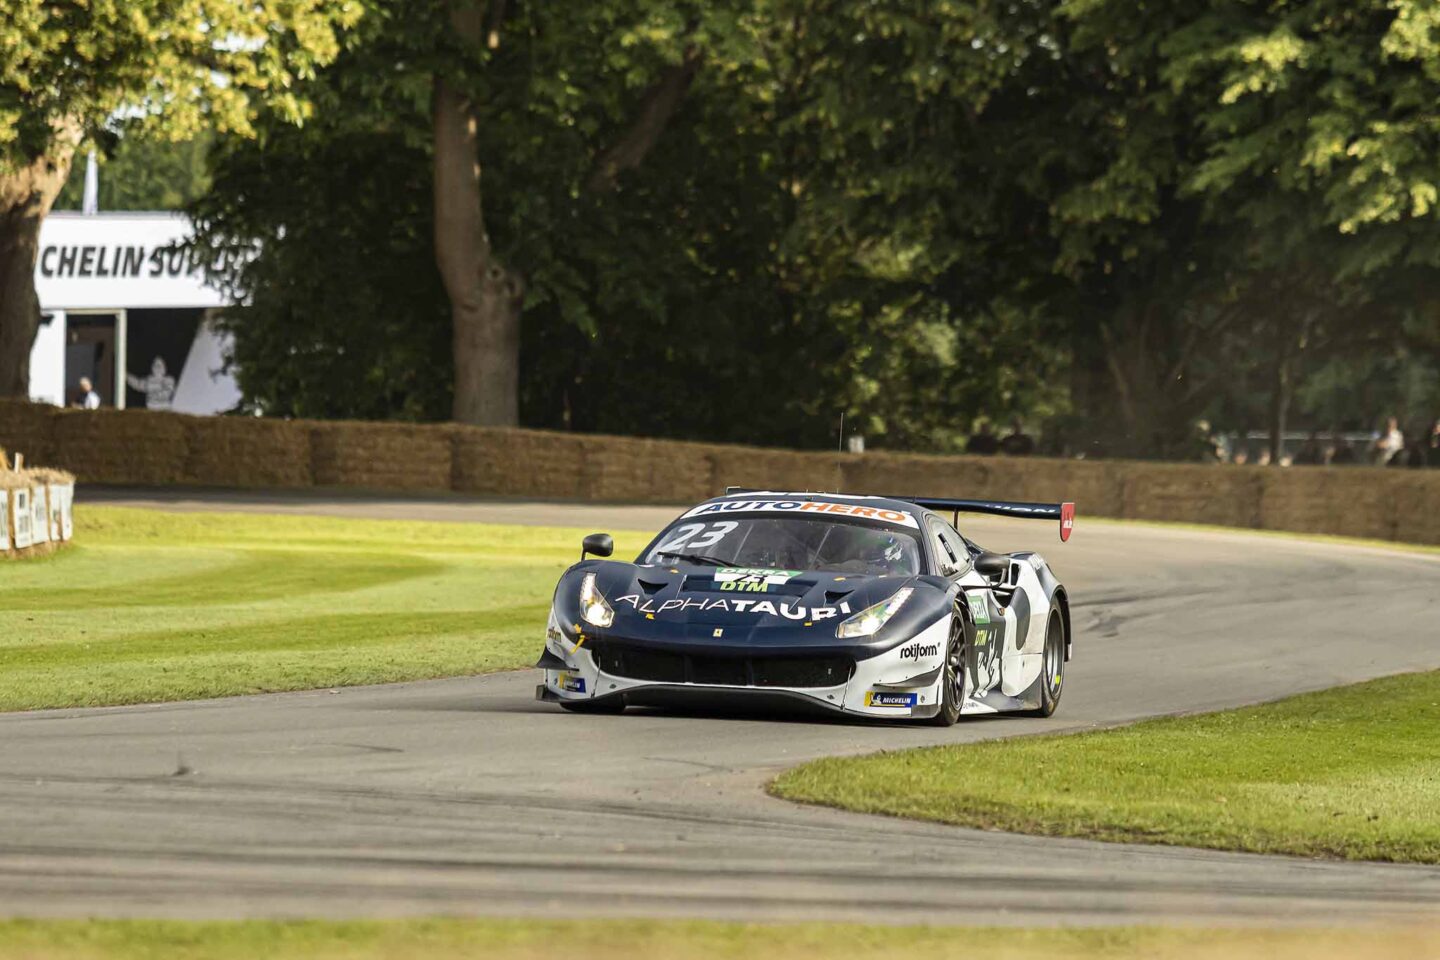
(869, 606)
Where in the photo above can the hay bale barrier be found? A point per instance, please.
(140, 447)
(36, 509)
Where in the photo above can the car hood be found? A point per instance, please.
(746, 607)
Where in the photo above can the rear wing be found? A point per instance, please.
(1064, 512)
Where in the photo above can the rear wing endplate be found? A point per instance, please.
(1064, 512)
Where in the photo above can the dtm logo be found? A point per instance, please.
(918, 650)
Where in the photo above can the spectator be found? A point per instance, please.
(1018, 443)
(1344, 453)
(983, 441)
(1432, 452)
(1414, 452)
(89, 399)
(1389, 444)
(1310, 454)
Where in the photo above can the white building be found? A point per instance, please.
(123, 305)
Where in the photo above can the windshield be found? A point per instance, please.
(788, 543)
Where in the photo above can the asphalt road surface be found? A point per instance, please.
(467, 797)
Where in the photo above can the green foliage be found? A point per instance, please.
(171, 69)
(758, 239)
(144, 175)
(1127, 218)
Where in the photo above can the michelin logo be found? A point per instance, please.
(878, 698)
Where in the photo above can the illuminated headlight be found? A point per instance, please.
(593, 607)
(868, 622)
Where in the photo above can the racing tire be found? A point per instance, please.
(610, 705)
(1052, 663)
(952, 680)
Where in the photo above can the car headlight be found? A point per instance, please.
(868, 622)
(593, 607)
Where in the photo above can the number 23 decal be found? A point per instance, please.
(686, 536)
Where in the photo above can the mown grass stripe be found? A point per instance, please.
(155, 606)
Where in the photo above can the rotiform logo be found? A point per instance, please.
(917, 650)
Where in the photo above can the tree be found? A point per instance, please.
(161, 69)
(659, 43)
(681, 256)
(140, 174)
(1225, 192)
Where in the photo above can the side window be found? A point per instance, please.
(945, 552)
(955, 546)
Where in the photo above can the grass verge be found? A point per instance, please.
(674, 940)
(1352, 773)
(150, 606)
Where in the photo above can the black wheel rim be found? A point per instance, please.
(955, 670)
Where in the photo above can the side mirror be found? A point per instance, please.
(600, 544)
(993, 566)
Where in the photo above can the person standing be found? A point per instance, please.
(1389, 444)
(89, 399)
(1017, 443)
(983, 441)
(1310, 454)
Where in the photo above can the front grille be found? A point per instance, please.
(803, 671)
(659, 666)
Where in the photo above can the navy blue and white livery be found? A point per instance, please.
(871, 606)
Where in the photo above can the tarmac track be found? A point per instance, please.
(467, 797)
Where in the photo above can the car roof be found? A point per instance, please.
(866, 500)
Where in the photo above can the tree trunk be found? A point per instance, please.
(25, 198)
(485, 295)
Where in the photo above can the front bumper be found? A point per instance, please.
(902, 683)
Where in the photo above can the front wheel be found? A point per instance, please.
(1052, 666)
(952, 684)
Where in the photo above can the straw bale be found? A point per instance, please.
(910, 474)
(26, 428)
(1192, 493)
(51, 476)
(44, 549)
(1415, 505)
(1348, 501)
(509, 462)
(632, 470)
(789, 471)
(382, 456)
(122, 446)
(248, 452)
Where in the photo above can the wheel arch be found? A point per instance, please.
(1061, 601)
